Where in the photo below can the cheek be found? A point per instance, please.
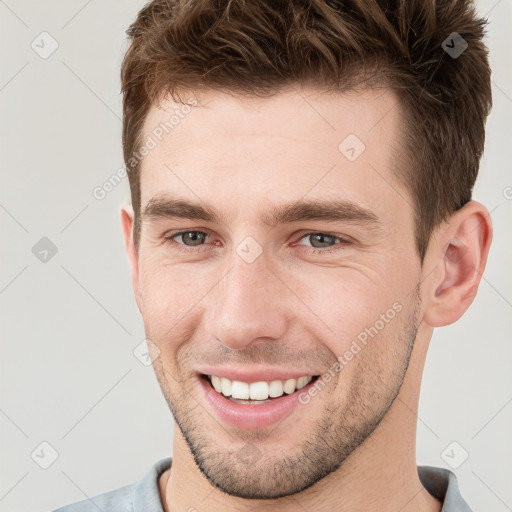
(372, 358)
(164, 284)
(171, 296)
(348, 305)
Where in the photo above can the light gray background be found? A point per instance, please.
(69, 326)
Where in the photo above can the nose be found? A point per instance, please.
(249, 303)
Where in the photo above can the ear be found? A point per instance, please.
(126, 214)
(458, 253)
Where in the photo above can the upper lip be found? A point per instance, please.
(254, 375)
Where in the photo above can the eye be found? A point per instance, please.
(324, 242)
(319, 238)
(189, 238)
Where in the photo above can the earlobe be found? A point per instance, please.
(127, 218)
(459, 253)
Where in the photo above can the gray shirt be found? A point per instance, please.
(144, 496)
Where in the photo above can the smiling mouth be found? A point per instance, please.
(256, 393)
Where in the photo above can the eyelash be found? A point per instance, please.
(313, 250)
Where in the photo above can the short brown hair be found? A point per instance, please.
(259, 47)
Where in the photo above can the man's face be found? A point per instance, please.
(250, 299)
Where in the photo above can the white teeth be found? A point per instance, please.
(216, 383)
(225, 386)
(257, 391)
(289, 386)
(301, 382)
(240, 390)
(275, 389)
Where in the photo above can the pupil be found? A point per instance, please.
(194, 236)
(321, 238)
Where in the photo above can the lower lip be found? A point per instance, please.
(252, 416)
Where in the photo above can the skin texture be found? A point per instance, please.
(352, 447)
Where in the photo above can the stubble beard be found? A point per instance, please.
(239, 471)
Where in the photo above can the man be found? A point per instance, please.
(301, 220)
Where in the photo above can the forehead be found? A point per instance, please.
(291, 113)
(239, 149)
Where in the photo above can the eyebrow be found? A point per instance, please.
(299, 211)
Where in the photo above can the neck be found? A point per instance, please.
(379, 475)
